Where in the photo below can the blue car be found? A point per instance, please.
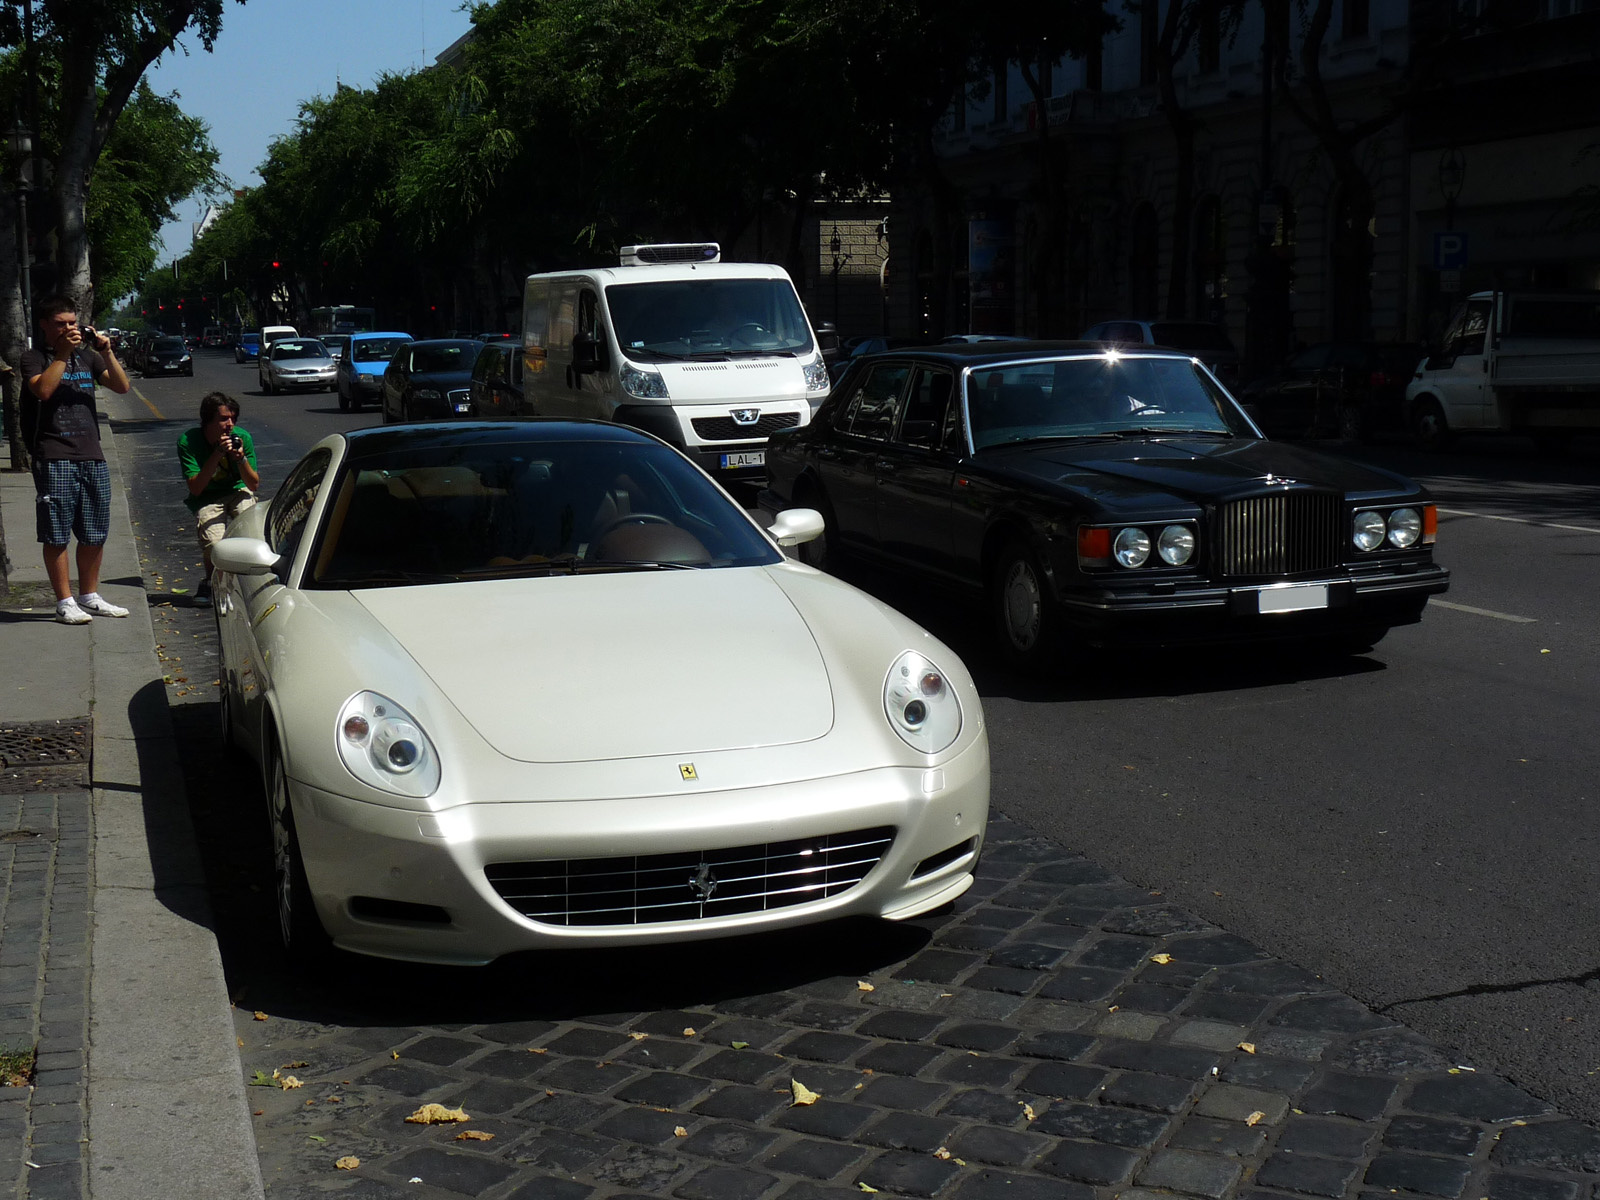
(360, 377)
(248, 347)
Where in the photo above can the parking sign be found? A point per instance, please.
(1449, 251)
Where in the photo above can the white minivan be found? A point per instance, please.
(707, 355)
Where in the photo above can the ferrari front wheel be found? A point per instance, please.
(299, 928)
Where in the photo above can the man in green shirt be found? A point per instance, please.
(219, 464)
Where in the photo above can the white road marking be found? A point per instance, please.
(1483, 612)
(1461, 512)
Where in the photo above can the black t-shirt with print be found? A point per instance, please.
(64, 427)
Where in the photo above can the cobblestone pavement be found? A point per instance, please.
(1059, 1033)
(44, 988)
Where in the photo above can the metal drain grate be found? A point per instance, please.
(44, 756)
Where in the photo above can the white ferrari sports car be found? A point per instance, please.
(543, 684)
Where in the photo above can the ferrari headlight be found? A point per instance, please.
(920, 704)
(1131, 547)
(1369, 530)
(1405, 527)
(383, 746)
(816, 376)
(641, 384)
(1176, 545)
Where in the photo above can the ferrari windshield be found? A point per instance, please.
(449, 511)
(1104, 395)
(719, 317)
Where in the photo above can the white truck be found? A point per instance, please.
(1512, 362)
(707, 355)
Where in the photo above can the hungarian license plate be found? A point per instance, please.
(1292, 597)
(744, 458)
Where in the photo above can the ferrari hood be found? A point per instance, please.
(573, 668)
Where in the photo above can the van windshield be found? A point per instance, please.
(708, 318)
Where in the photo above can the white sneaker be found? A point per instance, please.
(68, 612)
(97, 605)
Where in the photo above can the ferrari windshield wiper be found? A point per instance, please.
(634, 564)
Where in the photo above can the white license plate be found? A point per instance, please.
(1293, 597)
(463, 408)
(745, 458)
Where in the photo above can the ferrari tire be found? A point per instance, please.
(300, 930)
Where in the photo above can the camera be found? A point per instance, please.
(90, 334)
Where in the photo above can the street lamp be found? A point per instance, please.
(19, 143)
(1452, 174)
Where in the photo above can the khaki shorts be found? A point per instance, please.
(212, 519)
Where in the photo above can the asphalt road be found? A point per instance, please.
(1411, 824)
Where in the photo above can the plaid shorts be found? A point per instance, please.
(74, 500)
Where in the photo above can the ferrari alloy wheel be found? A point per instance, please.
(299, 929)
(1024, 616)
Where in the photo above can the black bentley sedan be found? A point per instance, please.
(1098, 497)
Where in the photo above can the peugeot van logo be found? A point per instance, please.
(746, 416)
(702, 883)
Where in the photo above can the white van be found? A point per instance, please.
(707, 355)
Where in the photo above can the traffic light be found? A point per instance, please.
(276, 264)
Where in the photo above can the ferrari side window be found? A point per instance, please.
(291, 507)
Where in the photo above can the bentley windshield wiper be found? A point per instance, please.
(1163, 431)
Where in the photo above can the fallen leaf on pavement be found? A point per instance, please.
(289, 1081)
(679, 1131)
(261, 1016)
(941, 1152)
(866, 1187)
(802, 1094)
(348, 1163)
(740, 1045)
(1163, 959)
(474, 1135)
(1255, 1118)
(863, 986)
(638, 1037)
(436, 1114)
(1027, 1110)
(689, 1032)
(1248, 1047)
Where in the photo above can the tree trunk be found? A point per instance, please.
(13, 332)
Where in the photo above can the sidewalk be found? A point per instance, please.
(137, 1089)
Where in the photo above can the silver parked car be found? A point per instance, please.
(296, 364)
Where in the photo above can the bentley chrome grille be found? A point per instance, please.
(726, 429)
(689, 886)
(1282, 534)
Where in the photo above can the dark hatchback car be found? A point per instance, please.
(167, 356)
(1353, 390)
(495, 390)
(429, 380)
(1100, 498)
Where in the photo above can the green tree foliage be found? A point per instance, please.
(156, 156)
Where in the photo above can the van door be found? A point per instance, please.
(1459, 374)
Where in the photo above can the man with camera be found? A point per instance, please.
(62, 432)
(219, 463)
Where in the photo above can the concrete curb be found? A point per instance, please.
(167, 1112)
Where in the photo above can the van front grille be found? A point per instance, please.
(1288, 533)
(726, 429)
(690, 886)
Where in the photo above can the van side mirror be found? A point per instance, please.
(588, 353)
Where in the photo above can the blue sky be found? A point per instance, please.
(272, 54)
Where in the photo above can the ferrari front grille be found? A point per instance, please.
(690, 886)
(1288, 533)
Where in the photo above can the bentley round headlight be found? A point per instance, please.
(1131, 548)
(920, 705)
(1368, 531)
(1405, 527)
(1176, 545)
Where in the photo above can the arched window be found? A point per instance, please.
(1144, 263)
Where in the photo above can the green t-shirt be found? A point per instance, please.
(193, 450)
